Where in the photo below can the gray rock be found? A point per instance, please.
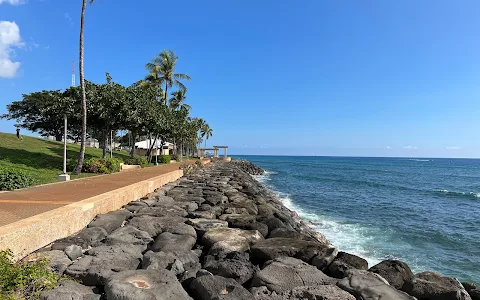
(203, 225)
(128, 235)
(370, 286)
(474, 294)
(246, 222)
(109, 221)
(324, 257)
(189, 206)
(85, 238)
(57, 260)
(176, 262)
(288, 233)
(468, 286)
(180, 228)
(73, 252)
(320, 292)
(150, 224)
(285, 273)
(274, 223)
(218, 288)
(71, 290)
(223, 234)
(344, 262)
(394, 271)
(173, 242)
(163, 199)
(430, 285)
(233, 265)
(101, 262)
(208, 214)
(165, 210)
(145, 285)
(269, 249)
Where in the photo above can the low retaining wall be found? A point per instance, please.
(27, 235)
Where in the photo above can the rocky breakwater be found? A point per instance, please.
(219, 234)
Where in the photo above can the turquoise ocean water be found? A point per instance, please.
(425, 212)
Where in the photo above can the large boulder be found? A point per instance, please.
(110, 221)
(203, 225)
(163, 210)
(68, 289)
(177, 262)
(85, 238)
(246, 222)
(430, 285)
(57, 260)
(145, 285)
(285, 273)
(319, 292)
(235, 265)
(221, 234)
(128, 235)
(394, 271)
(173, 242)
(344, 262)
(150, 224)
(269, 249)
(101, 262)
(370, 286)
(324, 257)
(212, 287)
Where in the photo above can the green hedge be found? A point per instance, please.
(11, 179)
(164, 159)
(138, 160)
(101, 165)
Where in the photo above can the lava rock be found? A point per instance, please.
(430, 285)
(128, 235)
(73, 252)
(370, 286)
(177, 262)
(68, 289)
(109, 222)
(394, 271)
(269, 249)
(173, 242)
(212, 287)
(285, 273)
(320, 292)
(235, 265)
(145, 285)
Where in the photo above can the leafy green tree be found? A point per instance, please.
(178, 100)
(42, 112)
(81, 154)
(206, 132)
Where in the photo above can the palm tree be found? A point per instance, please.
(81, 155)
(177, 101)
(162, 71)
(207, 133)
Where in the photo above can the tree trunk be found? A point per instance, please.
(81, 155)
(104, 146)
(181, 150)
(166, 93)
(151, 148)
(132, 149)
(58, 137)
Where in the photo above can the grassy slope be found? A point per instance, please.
(42, 159)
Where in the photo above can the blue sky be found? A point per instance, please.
(366, 78)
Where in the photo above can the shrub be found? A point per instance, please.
(198, 163)
(101, 165)
(25, 280)
(71, 164)
(173, 157)
(164, 159)
(11, 179)
(137, 160)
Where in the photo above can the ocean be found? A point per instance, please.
(425, 212)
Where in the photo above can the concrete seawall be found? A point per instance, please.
(27, 235)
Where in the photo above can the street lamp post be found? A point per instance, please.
(64, 176)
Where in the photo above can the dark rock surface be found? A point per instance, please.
(219, 234)
(248, 167)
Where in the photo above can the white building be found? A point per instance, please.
(142, 147)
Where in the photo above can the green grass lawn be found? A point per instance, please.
(40, 158)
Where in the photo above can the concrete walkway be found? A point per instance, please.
(21, 204)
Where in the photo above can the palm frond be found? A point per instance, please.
(182, 76)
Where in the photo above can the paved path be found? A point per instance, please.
(21, 204)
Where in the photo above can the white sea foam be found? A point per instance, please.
(352, 238)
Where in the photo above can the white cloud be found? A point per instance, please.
(9, 38)
(69, 19)
(452, 148)
(410, 147)
(388, 147)
(13, 2)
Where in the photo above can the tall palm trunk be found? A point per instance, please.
(81, 155)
